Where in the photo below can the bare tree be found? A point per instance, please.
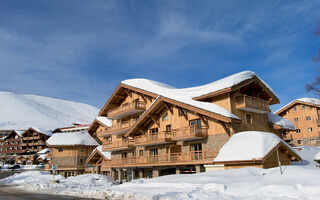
(315, 86)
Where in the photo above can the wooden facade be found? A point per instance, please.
(70, 159)
(152, 135)
(306, 118)
(98, 162)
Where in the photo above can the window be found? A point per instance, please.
(195, 122)
(310, 129)
(154, 155)
(299, 141)
(298, 130)
(295, 108)
(248, 119)
(196, 150)
(308, 118)
(296, 119)
(81, 160)
(60, 149)
(168, 128)
(81, 149)
(165, 117)
(140, 152)
(303, 107)
(312, 141)
(124, 155)
(153, 131)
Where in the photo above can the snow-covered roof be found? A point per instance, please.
(42, 156)
(192, 92)
(310, 100)
(107, 154)
(249, 145)
(317, 156)
(44, 151)
(186, 95)
(46, 132)
(107, 122)
(280, 121)
(306, 100)
(76, 138)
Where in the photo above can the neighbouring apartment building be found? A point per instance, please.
(158, 129)
(304, 113)
(69, 151)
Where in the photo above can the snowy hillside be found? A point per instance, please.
(23, 111)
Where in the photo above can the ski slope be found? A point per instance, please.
(23, 111)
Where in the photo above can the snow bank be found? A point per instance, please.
(280, 121)
(90, 185)
(297, 182)
(75, 138)
(317, 156)
(248, 145)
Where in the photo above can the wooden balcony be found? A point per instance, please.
(153, 139)
(189, 133)
(119, 128)
(252, 104)
(127, 109)
(167, 159)
(118, 145)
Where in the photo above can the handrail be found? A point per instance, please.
(252, 102)
(153, 137)
(167, 158)
(127, 106)
(121, 126)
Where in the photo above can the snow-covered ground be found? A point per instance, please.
(297, 182)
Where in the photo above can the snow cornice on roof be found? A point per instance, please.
(306, 101)
(82, 138)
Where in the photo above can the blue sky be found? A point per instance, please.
(81, 50)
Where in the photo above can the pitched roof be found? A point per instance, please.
(190, 95)
(193, 92)
(280, 121)
(306, 101)
(71, 139)
(45, 132)
(251, 145)
(104, 121)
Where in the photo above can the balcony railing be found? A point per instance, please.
(127, 109)
(198, 157)
(118, 145)
(252, 104)
(153, 139)
(119, 128)
(189, 133)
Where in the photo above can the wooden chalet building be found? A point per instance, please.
(12, 145)
(99, 162)
(98, 128)
(305, 114)
(69, 151)
(158, 129)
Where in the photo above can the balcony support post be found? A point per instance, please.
(225, 127)
(198, 168)
(155, 173)
(120, 175)
(141, 174)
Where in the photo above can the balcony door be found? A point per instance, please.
(195, 126)
(153, 133)
(154, 155)
(196, 151)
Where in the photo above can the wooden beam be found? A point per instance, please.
(155, 120)
(143, 97)
(168, 107)
(128, 92)
(204, 120)
(225, 127)
(184, 114)
(120, 96)
(99, 160)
